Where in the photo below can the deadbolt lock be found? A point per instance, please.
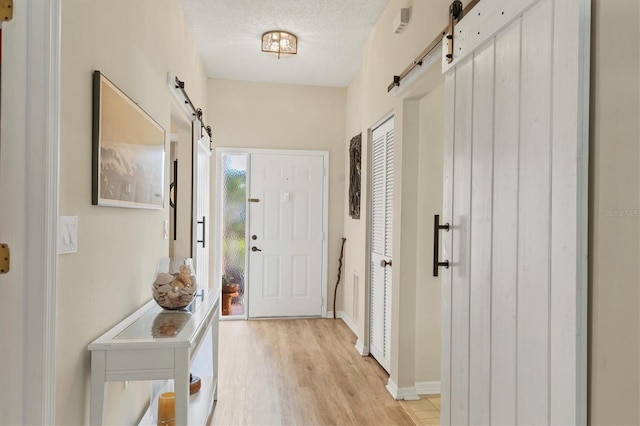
(5, 259)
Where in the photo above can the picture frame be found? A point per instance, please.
(128, 168)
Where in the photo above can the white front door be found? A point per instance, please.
(200, 220)
(514, 297)
(381, 243)
(286, 234)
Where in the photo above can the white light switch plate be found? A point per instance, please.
(67, 234)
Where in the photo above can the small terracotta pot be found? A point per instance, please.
(229, 291)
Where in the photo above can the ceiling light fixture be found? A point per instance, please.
(279, 43)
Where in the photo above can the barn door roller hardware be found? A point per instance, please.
(456, 13)
(6, 10)
(454, 16)
(177, 87)
(206, 128)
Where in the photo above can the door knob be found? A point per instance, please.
(254, 248)
(385, 263)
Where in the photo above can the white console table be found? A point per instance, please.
(154, 344)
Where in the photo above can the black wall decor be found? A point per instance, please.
(355, 157)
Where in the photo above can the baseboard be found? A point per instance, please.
(408, 393)
(361, 348)
(428, 388)
(330, 314)
(350, 323)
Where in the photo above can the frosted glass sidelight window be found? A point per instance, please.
(234, 214)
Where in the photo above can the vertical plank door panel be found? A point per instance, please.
(461, 224)
(447, 212)
(505, 229)
(481, 238)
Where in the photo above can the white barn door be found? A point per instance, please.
(200, 223)
(381, 243)
(516, 141)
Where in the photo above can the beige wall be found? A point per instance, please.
(134, 44)
(281, 116)
(429, 203)
(385, 55)
(614, 357)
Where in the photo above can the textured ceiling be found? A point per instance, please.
(331, 35)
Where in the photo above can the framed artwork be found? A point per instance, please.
(355, 157)
(128, 151)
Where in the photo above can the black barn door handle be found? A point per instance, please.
(203, 241)
(436, 244)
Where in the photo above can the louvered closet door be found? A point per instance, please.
(516, 140)
(381, 239)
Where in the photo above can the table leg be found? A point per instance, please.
(181, 385)
(98, 391)
(215, 321)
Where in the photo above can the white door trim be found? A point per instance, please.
(220, 151)
(38, 26)
(43, 130)
(363, 345)
(363, 342)
(380, 122)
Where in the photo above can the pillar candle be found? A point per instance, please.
(167, 409)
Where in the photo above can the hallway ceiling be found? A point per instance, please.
(331, 35)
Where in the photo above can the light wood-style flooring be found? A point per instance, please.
(302, 372)
(424, 412)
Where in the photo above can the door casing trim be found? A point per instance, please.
(217, 238)
(37, 30)
(363, 345)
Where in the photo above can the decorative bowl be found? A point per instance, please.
(174, 286)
